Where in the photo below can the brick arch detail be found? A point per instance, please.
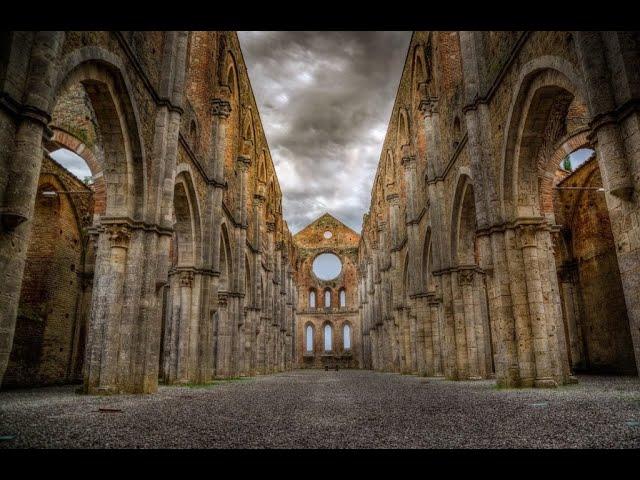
(66, 140)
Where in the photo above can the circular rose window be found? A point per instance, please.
(327, 234)
(327, 266)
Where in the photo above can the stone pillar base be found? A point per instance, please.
(545, 383)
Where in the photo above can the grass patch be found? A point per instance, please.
(220, 381)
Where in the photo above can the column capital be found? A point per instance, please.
(186, 279)
(408, 161)
(428, 106)
(465, 277)
(220, 108)
(119, 235)
(527, 235)
(243, 161)
(393, 198)
(222, 299)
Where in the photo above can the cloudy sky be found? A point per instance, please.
(325, 99)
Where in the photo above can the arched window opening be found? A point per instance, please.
(575, 159)
(309, 339)
(327, 298)
(74, 163)
(328, 332)
(312, 299)
(343, 298)
(327, 266)
(346, 337)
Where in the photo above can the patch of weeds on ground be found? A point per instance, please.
(219, 381)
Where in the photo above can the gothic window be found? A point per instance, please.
(309, 338)
(327, 298)
(343, 298)
(312, 299)
(328, 332)
(346, 337)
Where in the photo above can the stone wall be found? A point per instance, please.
(458, 255)
(327, 235)
(191, 260)
(48, 314)
(588, 272)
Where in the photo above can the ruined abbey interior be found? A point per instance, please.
(481, 257)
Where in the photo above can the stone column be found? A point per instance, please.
(477, 334)
(571, 302)
(549, 367)
(101, 365)
(608, 61)
(22, 168)
(186, 286)
(224, 347)
(435, 320)
(243, 162)
(452, 332)
(613, 162)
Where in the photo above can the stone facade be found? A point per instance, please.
(458, 260)
(329, 303)
(479, 257)
(184, 243)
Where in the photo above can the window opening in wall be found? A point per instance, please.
(327, 266)
(343, 298)
(309, 338)
(327, 338)
(74, 163)
(346, 336)
(575, 159)
(327, 298)
(312, 299)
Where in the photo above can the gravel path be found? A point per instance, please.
(318, 409)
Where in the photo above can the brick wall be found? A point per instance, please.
(45, 328)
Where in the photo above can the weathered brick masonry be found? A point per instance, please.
(475, 259)
(183, 268)
(479, 256)
(327, 235)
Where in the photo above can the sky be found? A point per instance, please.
(325, 99)
(72, 162)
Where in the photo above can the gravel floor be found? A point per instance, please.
(318, 409)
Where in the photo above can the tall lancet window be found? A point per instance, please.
(346, 337)
(309, 338)
(343, 298)
(327, 338)
(312, 299)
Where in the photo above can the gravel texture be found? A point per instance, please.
(318, 409)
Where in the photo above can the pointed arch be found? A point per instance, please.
(389, 169)
(403, 136)
(187, 226)
(342, 296)
(226, 262)
(347, 331)
(427, 262)
(327, 334)
(544, 92)
(108, 88)
(309, 331)
(463, 222)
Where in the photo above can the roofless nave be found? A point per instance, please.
(480, 255)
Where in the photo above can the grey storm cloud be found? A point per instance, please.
(325, 99)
